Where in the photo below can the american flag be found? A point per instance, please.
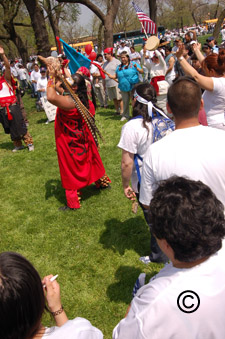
(148, 24)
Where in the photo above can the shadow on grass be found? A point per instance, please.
(130, 234)
(54, 188)
(6, 145)
(126, 277)
(89, 191)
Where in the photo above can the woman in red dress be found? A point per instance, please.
(79, 161)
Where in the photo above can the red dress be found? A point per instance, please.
(79, 161)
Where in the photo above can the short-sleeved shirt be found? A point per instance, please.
(158, 309)
(214, 102)
(78, 328)
(136, 139)
(123, 49)
(127, 76)
(195, 152)
(110, 67)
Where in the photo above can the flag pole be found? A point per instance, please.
(144, 30)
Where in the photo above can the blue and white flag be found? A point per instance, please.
(76, 59)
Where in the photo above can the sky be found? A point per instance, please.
(85, 16)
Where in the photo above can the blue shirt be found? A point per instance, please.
(127, 76)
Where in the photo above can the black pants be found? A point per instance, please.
(16, 127)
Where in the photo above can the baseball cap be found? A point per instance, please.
(210, 38)
(42, 69)
(108, 50)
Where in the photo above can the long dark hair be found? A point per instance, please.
(22, 300)
(121, 65)
(79, 81)
(147, 92)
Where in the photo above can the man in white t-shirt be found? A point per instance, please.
(186, 299)
(123, 48)
(192, 150)
(34, 76)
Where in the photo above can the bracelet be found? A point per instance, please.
(181, 58)
(57, 312)
(50, 83)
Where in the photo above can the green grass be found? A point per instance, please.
(95, 250)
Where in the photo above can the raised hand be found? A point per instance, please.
(1, 50)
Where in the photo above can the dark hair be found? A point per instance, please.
(147, 92)
(128, 57)
(206, 46)
(99, 55)
(22, 300)
(168, 48)
(191, 34)
(184, 97)
(79, 81)
(188, 215)
(215, 61)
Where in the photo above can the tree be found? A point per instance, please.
(57, 12)
(10, 9)
(107, 19)
(218, 24)
(153, 10)
(39, 27)
(126, 18)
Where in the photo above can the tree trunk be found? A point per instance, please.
(193, 16)
(10, 10)
(216, 31)
(100, 37)
(53, 20)
(153, 10)
(39, 27)
(108, 33)
(16, 39)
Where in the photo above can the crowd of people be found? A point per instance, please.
(179, 182)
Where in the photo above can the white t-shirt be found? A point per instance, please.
(22, 74)
(157, 70)
(223, 34)
(78, 328)
(35, 76)
(42, 84)
(135, 55)
(14, 71)
(123, 49)
(214, 102)
(136, 139)
(155, 314)
(195, 152)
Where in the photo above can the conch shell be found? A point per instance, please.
(51, 61)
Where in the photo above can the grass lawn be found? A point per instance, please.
(95, 250)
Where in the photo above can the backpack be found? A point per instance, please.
(162, 126)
